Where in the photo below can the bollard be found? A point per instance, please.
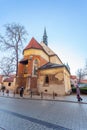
(14, 93)
(53, 95)
(41, 95)
(31, 94)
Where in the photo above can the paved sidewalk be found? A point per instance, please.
(61, 113)
(69, 98)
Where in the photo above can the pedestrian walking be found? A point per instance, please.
(21, 91)
(78, 93)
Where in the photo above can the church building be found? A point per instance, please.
(41, 70)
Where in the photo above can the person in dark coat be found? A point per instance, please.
(31, 93)
(21, 91)
(3, 89)
(78, 93)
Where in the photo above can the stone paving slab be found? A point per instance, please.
(2, 128)
(21, 114)
(15, 121)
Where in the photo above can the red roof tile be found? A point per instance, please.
(73, 77)
(83, 81)
(33, 44)
(10, 79)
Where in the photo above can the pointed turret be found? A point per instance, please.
(45, 37)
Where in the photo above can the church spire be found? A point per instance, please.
(45, 37)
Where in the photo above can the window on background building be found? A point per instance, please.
(9, 84)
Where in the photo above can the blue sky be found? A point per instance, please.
(65, 22)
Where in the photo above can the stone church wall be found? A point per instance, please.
(36, 52)
(56, 82)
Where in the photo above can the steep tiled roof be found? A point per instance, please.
(73, 76)
(33, 44)
(47, 49)
(10, 79)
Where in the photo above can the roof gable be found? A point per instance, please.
(33, 44)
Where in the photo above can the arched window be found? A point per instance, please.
(35, 66)
(35, 70)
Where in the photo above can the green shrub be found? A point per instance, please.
(83, 90)
(73, 89)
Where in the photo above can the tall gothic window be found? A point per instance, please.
(35, 66)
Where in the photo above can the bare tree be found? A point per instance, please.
(7, 66)
(80, 74)
(13, 39)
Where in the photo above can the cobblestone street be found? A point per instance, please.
(27, 114)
